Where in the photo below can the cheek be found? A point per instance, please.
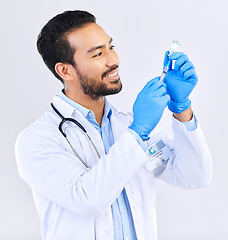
(90, 70)
(96, 69)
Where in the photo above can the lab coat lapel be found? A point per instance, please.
(118, 124)
(69, 111)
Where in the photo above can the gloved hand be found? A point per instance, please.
(149, 107)
(179, 81)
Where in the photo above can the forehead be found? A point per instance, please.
(90, 35)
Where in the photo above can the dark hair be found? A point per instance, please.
(52, 43)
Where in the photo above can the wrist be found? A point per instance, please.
(141, 134)
(179, 107)
(184, 116)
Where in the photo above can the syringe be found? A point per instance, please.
(174, 48)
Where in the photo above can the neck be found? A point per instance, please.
(97, 106)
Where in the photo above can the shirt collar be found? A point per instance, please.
(107, 110)
(84, 111)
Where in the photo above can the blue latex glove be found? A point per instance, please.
(180, 81)
(149, 107)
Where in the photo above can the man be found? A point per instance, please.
(104, 189)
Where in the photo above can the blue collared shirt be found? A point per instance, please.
(123, 224)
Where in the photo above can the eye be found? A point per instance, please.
(112, 47)
(98, 55)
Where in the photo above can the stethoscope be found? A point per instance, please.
(81, 128)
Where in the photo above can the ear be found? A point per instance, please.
(64, 70)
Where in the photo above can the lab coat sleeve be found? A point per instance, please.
(59, 176)
(190, 163)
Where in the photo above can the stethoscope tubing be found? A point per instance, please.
(64, 120)
(67, 119)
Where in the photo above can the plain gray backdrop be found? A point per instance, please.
(142, 32)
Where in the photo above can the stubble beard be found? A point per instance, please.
(95, 90)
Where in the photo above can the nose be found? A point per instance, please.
(112, 59)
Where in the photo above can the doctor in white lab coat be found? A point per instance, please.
(74, 202)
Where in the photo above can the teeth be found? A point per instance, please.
(112, 75)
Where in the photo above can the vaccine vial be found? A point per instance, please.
(175, 47)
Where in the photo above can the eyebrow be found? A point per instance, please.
(98, 47)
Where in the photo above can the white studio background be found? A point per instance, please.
(142, 31)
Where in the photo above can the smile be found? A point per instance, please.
(114, 74)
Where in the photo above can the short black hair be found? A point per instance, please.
(52, 43)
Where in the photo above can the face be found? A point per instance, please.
(97, 63)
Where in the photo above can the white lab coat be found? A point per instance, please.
(75, 204)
